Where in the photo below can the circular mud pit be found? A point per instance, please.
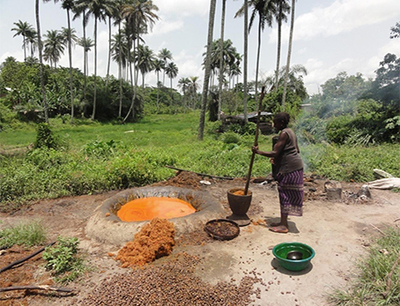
(105, 226)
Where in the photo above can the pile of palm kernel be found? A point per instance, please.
(154, 240)
(173, 282)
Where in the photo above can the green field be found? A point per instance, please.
(94, 157)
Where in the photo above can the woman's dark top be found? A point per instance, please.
(289, 160)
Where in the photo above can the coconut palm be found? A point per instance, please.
(171, 71)
(265, 10)
(283, 9)
(46, 116)
(31, 38)
(139, 15)
(119, 48)
(289, 53)
(221, 61)
(207, 70)
(98, 9)
(184, 83)
(68, 5)
(158, 65)
(165, 55)
(23, 29)
(112, 13)
(245, 47)
(86, 44)
(193, 87)
(53, 47)
(144, 61)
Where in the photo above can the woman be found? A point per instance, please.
(289, 168)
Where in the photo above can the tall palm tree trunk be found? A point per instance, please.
(120, 73)
(95, 68)
(221, 55)
(109, 50)
(85, 55)
(158, 89)
(46, 116)
(207, 70)
(258, 59)
(289, 54)
(246, 17)
(278, 56)
(70, 68)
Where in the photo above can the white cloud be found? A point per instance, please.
(183, 7)
(166, 26)
(341, 16)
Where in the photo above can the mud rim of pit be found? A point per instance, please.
(105, 226)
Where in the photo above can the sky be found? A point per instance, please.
(330, 36)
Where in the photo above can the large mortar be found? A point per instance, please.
(106, 227)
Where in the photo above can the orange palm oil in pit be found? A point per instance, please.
(154, 207)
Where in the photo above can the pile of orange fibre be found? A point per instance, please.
(155, 240)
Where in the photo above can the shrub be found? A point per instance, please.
(230, 137)
(45, 137)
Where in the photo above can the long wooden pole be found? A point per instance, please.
(246, 189)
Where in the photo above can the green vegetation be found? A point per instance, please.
(24, 234)
(98, 157)
(379, 275)
(63, 260)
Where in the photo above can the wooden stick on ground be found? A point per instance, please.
(378, 229)
(202, 174)
(25, 258)
(40, 287)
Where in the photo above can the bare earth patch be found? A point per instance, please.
(339, 231)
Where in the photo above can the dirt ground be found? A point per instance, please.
(340, 232)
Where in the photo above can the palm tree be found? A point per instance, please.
(53, 47)
(158, 66)
(144, 60)
(221, 60)
(31, 38)
(193, 86)
(184, 83)
(114, 12)
(171, 71)
(98, 9)
(119, 48)
(283, 8)
(46, 116)
(68, 5)
(246, 42)
(86, 44)
(265, 9)
(289, 54)
(207, 70)
(139, 16)
(165, 55)
(23, 29)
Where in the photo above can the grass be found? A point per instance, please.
(97, 157)
(29, 234)
(378, 281)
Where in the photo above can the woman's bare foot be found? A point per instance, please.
(279, 229)
(273, 224)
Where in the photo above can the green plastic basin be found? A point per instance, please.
(281, 250)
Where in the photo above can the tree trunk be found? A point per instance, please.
(289, 54)
(109, 50)
(158, 88)
(46, 116)
(85, 56)
(70, 68)
(221, 58)
(278, 56)
(120, 72)
(207, 70)
(246, 17)
(95, 68)
(258, 59)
